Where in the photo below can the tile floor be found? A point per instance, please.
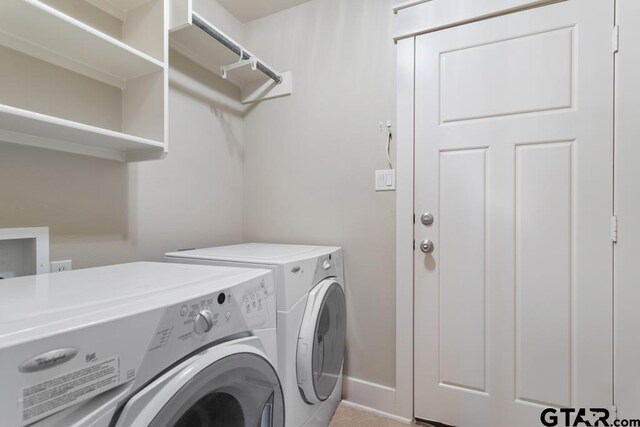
(347, 416)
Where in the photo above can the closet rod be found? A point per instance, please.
(231, 45)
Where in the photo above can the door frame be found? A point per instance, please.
(405, 208)
(404, 36)
(404, 227)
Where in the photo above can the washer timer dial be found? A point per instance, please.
(203, 322)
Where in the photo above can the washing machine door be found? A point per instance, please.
(321, 341)
(236, 387)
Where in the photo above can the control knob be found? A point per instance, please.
(203, 322)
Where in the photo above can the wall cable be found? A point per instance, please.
(389, 138)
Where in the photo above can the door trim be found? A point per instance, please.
(417, 17)
(404, 227)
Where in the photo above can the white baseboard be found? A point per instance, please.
(370, 397)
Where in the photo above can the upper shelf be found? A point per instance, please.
(208, 51)
(41, 31)
(40, 130)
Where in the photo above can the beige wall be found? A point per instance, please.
(102, 212)
(310, 158)
(307, 175)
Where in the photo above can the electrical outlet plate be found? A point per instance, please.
(385, 180)
(58, 266)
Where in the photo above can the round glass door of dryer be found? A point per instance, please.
(321, 341)
(237, 391)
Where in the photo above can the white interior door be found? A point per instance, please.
(513, 158)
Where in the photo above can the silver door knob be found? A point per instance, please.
(426, 218)
(426, 246)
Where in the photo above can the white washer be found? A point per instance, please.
(143, 344)
(311, 320)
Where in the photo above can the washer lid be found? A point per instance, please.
(321, 341)
(34, 301)
(232, 386)
(259, 253)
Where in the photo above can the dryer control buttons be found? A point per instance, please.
(326, 265)
(203, 322)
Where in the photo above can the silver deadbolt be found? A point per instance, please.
(426, 246)
(426, 218)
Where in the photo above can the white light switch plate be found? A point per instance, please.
(385, 180)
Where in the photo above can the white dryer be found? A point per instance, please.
(311, 320)
(143, 344)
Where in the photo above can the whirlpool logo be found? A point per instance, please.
(583, 417)
(48, 360)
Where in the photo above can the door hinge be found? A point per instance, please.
(614, 412)
(414, 218)
(615, 39)
(614, 229)
(414, 244)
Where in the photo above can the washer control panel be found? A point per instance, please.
(191, 324)
(327, 266)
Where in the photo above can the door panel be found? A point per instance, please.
(502, 77)
(462, 266)
(513, 155)
(543, 285)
